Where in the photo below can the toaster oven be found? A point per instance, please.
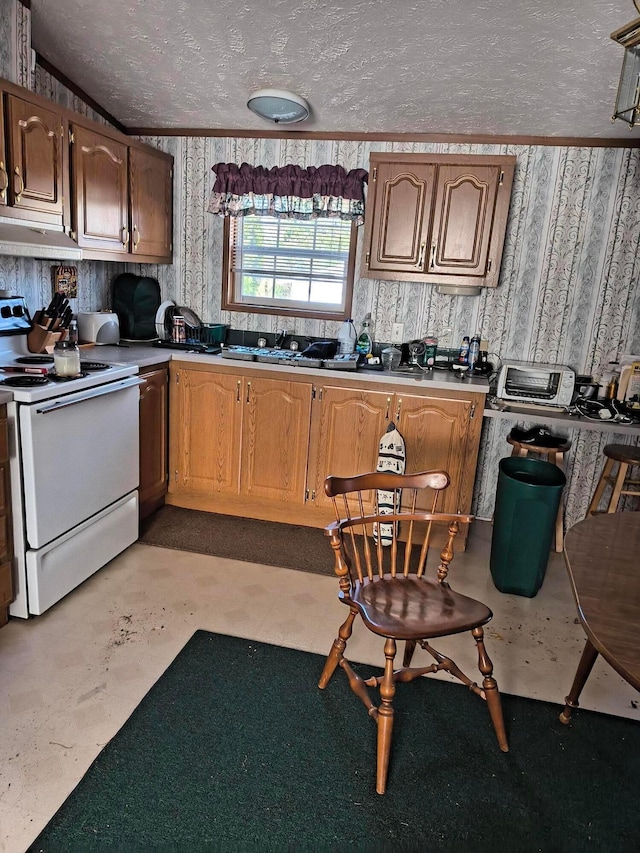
(531, 382)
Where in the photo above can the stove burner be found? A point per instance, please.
(24, 381)
(34, 359)
(55, 378)
(94, 365)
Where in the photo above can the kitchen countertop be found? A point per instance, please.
(144, 354)
(440, 379)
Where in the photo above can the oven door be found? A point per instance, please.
(79, 455)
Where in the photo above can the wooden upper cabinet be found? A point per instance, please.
(401, 217)
(437, 218)
(100, 191)
(34, 162)
(463, 217)
(151, 190)
(4, 175)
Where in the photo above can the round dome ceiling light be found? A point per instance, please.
(278, 106)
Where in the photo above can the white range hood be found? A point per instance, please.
(31, 240)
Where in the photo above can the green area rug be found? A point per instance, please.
(235, 748)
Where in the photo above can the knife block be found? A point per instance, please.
(40, 339)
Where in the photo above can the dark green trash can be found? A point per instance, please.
(527, 501)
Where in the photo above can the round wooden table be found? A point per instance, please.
(602, 554)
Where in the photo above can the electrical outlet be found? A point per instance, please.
(397, 333)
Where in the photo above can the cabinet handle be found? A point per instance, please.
(398, 410)
(432, 261)
(238, 384)
(5, 182)
(386, 414)
(21, 190)
(248, 391)
(136, 236)
(125, 235)
(423, 249)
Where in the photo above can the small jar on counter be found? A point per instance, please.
(66, 358)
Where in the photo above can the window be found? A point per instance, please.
(282, 266)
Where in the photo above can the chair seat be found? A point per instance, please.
(414, 608)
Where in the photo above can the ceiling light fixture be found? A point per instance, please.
(279, 106)
(628, 98)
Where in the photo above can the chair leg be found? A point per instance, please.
(490, 687)
(409, 649)
(602, 482)
(587, 660)
(337, 649)
(385, 716)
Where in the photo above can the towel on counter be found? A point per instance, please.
(391, 458)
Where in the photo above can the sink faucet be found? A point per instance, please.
(281, 339)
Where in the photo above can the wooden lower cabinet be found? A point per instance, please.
(261, 445)
(239, 444)
(439, 433)
(154, 400)
(6, 538)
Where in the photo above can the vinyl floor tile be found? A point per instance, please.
(72, 676)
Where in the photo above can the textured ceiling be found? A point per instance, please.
(506, 67)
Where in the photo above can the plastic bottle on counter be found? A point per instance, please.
(463, 356)
(347, 337)
(364, 344)
(474, 351)
(72, 333)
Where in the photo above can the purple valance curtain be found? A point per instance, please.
(288, 191)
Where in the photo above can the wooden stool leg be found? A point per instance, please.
(385, 716)
(557, 458)
(602, 482)
(617, 487)
(585, 666)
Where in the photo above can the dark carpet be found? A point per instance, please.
(290, 546)
(235, 748)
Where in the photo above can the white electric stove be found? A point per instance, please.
(74, 465)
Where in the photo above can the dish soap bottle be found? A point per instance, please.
(364, 344)
(347, 337)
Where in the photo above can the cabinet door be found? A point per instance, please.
(463, 219)
(34, 136)
(151, 191)
(100, 194)
(435, 434)
(153, 440)
(399, 231)
(205, 412)
(275, 439)
(351, 424)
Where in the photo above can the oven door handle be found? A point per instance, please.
(90, 394)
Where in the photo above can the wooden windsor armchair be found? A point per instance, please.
(386, 585)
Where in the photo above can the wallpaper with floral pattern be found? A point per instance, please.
(568, 285)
